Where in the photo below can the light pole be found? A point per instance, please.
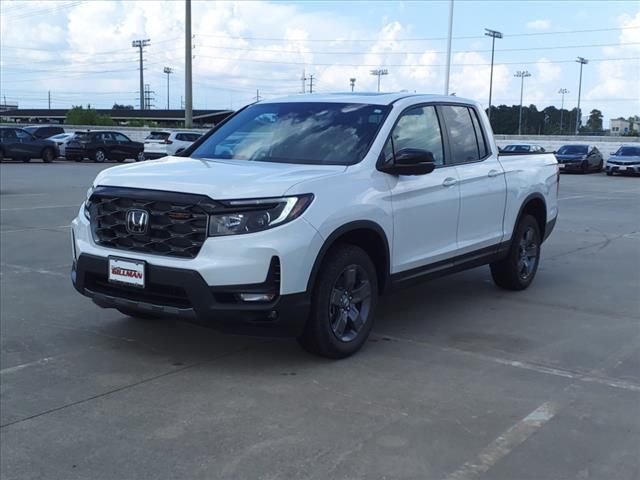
(379, 72)
(581, 61)
(140, 44)
(493, 34)
(168, 71)
(562, 91)
(521, 74)
(449, 37)
(188, 84)
(352, 81)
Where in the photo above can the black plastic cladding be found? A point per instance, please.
(177, 225)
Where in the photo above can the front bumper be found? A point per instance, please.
(570, 166)
(620, 168)
(184, 293)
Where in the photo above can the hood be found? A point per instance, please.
(218, 179)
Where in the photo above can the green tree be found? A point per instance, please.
(594, 124)
(78, 115)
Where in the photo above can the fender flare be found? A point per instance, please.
(529, 198)
(339, 232)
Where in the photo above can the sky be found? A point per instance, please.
(81, 51)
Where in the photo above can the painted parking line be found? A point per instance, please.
(505, 443)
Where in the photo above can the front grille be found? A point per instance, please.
(177, 224)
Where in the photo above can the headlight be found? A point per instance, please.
(87, 204)
(250, 216)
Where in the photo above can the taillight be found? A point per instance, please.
(167, 142)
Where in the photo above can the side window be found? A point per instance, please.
(121, 138)
(181, 137)
(192, 137)
(417, 128)
(22, 135)
(462, 135)
(482, 142)
(107, 137)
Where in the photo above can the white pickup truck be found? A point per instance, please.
(294, 216)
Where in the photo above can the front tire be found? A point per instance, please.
(140, 157)
(518, 269)
(345, 296)
(48, 155)
(609, 173)
(99, 156)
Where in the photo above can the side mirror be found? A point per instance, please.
(411, 161)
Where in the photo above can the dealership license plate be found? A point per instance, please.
(561, 166)
(127, 272)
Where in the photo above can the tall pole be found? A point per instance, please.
(352, 81)
(49, 96)
(581, 61)
(522, 74)
(562, 91)
(448, 68)
(168, 71)
(379, 72)
(188, 103)
(493, 34)
(311, 83)
(140, 44)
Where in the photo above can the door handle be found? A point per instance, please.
(494, 173)
(449, 182)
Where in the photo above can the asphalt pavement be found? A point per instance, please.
(459, 381)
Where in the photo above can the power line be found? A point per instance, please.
(48, 10)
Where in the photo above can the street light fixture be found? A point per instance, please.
(581, 61)
(521, 74)
(379, 72)
(493, 34)
(563, 92)
(168, 71)
(352, 81)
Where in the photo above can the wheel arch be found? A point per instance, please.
(536, 206)
(365, 234)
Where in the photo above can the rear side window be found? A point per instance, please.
(480, 139)
(8, 134)
(462, 134)
(121, 138)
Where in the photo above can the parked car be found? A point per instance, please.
(45, 131)
(61, 140)
(579, 158)
(625, 160)
(101, 145)
(164, 143)
(296, 214)
(18, 144)
(523, 148)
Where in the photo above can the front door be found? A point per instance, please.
(425, 207)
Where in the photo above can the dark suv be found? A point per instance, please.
(103, 145)
(18, 144)
(46, 131)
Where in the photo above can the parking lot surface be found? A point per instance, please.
(460, 380)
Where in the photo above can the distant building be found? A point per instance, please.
(621, 126)
(8, 106)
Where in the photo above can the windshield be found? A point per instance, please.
(516, 148)
(628, 152)
(573, 150)
(306, 133)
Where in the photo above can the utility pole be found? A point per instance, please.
(311, 83)
(188, 106)
(493, 34)
(352, 81)
(581, 61)
(379, 72)
(168, 71)
(521, 74)
(140, 44)
(147, 97)
(258, 97)
(303, 78)
(49, 95)
(562, 91)
(448, 68)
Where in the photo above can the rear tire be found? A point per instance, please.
(345, 296)
(48, 155)
(140, 157)
(609, 173)
(518, 269)
(99, 156)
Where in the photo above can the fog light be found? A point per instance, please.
(256, 297)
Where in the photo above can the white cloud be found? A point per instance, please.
(539, 24)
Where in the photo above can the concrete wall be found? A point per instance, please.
(606, 145)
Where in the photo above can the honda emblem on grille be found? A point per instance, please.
(137, 221)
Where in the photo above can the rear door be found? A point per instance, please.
(482, 182)
(10, 143)
(26, 146)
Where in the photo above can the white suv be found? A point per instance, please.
(294, 215)
(163, 143)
